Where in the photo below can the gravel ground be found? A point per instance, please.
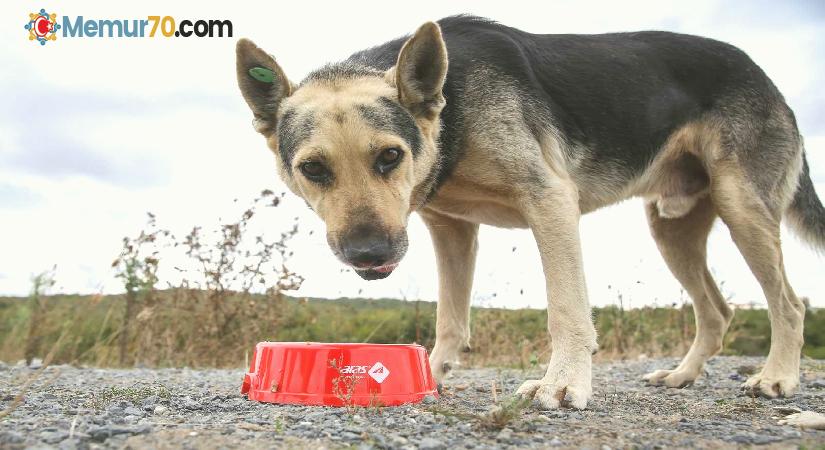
(69, 407)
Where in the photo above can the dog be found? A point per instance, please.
(470, 122)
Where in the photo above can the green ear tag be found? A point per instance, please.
(262, 75)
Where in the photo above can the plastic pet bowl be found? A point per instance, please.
(311, 373)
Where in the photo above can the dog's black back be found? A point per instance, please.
(616, 96)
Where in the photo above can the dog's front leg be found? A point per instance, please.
(455, 243)
(553, 215)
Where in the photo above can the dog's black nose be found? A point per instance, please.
(367, 246)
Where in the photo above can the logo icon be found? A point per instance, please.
(42, 26)
(378, 372)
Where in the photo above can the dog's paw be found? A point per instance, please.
(676, 378)
(563, 385)
(806, 420)
(770, 385)
(442, 363)
(552, 394)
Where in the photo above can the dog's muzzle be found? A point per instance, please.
(372, 251)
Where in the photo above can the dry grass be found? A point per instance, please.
(230, 293)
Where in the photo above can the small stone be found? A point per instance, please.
(818, 384)
(389, 422)
(100, 434)
(149, 402)
(190, 403)
(556, 442)
(431, 444)
(504, 435)
(72, 444)
(606, 447)
(132, 411)
(36, 364)
(380, 440)
(53, 437)
(160, 410)
(11, 437)
(746, 370)
(350, 436)
(786, 409)
(429, 400)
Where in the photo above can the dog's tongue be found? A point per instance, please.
(386, 269)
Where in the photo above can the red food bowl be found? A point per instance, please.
(311, 373)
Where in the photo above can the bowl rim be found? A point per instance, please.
(333, 344)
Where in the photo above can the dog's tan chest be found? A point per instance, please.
(477, 204)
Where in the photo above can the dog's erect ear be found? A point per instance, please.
(262, 82)
(421, 71)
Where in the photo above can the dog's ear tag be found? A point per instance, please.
(262, 75)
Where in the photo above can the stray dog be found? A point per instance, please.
(471, 122)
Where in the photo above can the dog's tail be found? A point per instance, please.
(806, 214)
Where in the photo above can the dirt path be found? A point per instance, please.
(71, 407)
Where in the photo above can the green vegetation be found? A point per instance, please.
(230, 294)
(134, 394)
(175, 329)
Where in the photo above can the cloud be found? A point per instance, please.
(50, 126)
(18, 197)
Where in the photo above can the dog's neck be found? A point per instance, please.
(428, 166)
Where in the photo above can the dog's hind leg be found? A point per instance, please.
(456, 244)
(753, 220)
(682, 243)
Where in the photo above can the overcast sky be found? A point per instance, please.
(94, 132)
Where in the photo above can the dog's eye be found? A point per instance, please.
(388, 160)
(315, 171)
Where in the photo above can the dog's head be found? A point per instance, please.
(357, 144)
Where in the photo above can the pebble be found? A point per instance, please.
(504, 435)
(190, 403)
(73, 444)
(205, 402)
(819, 383)
(53, 437)
(429, 400)
(132, 411)
(11, 437)
(431, 444)
(350, 436)
(149, 402)
(100, 434)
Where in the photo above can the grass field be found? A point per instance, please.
(192, 328)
